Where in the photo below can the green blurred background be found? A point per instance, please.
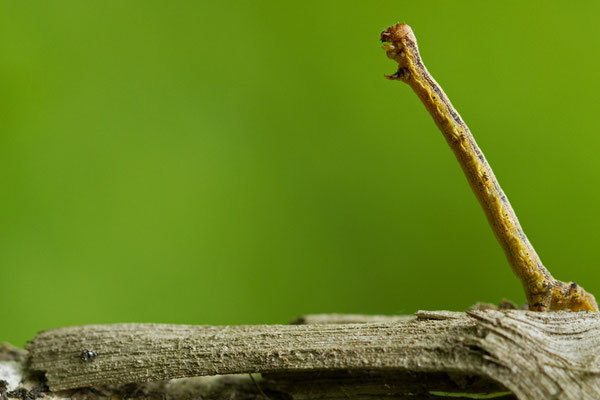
(246, 162)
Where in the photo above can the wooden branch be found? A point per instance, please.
(534, 355)
(317, 319)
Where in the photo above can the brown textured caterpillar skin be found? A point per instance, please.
(542, 290)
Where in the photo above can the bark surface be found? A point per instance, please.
(531, 355)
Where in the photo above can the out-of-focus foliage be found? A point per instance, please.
(246, 162)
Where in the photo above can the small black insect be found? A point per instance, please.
(88, 355)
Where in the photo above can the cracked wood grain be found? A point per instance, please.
(533, 355)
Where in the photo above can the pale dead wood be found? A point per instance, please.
(534, 355)
(313, 319)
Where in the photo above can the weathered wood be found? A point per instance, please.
(534, 355)
(377, 384)
(316, 319)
